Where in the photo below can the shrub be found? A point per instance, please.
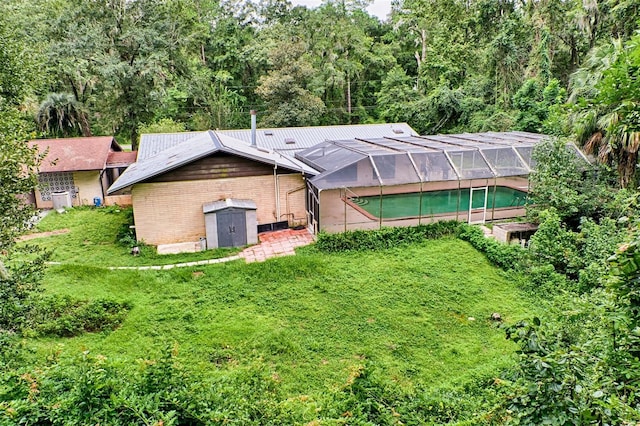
(505, 256)
(384, 238)
(554, 244)
(65, 316)
(126, 234)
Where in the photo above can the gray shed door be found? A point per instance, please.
(232, 228)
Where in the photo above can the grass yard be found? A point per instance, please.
(420, 313)
(92, 239)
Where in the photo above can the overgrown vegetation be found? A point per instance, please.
(361, 337)
(385, 238)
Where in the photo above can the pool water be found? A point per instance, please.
(439, 202)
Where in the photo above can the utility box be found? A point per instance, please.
(61, 201)
(230, 223)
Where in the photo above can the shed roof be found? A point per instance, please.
(118, 159)
(285, 139)
(201, 145)
(75, 154)
(229, 203)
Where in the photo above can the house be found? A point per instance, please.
(174, 190)
(83, 168)
(195, 189)
(191, 187)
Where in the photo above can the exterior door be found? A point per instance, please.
(232, 228)
(478, 204)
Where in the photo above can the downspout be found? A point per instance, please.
(288, 209)
(104, 201)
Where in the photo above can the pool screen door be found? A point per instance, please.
(478, 204)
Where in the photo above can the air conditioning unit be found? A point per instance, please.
(61, 201)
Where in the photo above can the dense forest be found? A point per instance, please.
(568, 68)
(122, 67)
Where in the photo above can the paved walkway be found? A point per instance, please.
(276, 243)
(272, 244)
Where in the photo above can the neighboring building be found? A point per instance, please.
(83, 167)
(172, 191)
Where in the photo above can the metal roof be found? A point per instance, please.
(229, 203)
(199, 146)
(294, 139)
(285, 139)
(153, 143)
(117, 159)
(75, 154)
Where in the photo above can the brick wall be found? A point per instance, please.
(171, 212)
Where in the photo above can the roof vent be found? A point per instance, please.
(289, 141)
(398, 131)
(268, 133)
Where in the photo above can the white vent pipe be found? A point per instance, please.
(254, 127)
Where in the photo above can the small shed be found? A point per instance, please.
(230, 223)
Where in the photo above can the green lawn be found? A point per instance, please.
(92, 240)
(310, 318)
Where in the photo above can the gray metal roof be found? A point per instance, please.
(153, 143)
(287, 139)
(293, 139)
(201, 145)
(229, 203)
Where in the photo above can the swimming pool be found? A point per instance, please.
(438, 202)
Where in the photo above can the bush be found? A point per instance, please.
(384, 238)
(65, 316)
(505, 256)
(126, 234)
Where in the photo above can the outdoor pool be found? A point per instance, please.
(439, 202)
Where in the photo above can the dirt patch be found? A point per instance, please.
(43, 234)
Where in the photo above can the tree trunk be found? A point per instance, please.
(84, 125)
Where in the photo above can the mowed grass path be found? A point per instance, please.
(312, 317)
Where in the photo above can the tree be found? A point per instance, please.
(285, 88)
(61, 114)
(606, 123)
(562, 181)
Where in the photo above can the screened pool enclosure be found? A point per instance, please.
(408, 180)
